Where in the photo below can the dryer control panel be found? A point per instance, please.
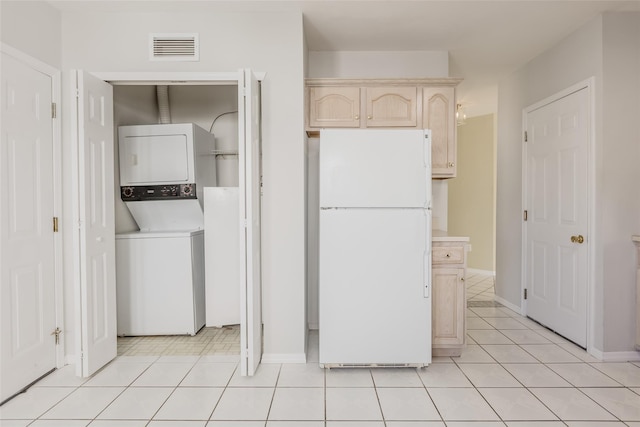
(158, 192)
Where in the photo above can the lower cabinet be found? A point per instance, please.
(448, 298)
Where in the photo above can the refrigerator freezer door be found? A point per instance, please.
(373, 308)
(375, 168)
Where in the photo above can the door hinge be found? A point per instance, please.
(526, 136)
(525, 293)
(525, 215)
(57, 333)
(53, 110)
(55, 224)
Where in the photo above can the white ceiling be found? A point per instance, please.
(486, 40)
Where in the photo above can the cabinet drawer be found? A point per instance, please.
(448, 255)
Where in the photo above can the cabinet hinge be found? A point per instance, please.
(53, 110)
(526, 136)
(525, 215)
(525, 293)
(55, 224)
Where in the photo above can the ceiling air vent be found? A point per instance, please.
(174, 47)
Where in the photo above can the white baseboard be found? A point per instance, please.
(508, 304)
(484, 272)
(616, 356)
(284, 358)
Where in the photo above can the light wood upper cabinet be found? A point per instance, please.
(334, 107)
(438, 107)
(427, 103)
(392, 106)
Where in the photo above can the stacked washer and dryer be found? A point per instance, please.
(160, 269)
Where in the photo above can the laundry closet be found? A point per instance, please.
(176, 208)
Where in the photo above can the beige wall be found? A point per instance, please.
(472, 202)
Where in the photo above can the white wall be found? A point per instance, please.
(378, 64)
(606, 48)
(575, 59)
(32, 27)
(266, 42)
(357, 64)
(620, 197)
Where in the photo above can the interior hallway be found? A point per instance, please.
(513, 372)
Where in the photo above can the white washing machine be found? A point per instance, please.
(160, 282)
(160, 279)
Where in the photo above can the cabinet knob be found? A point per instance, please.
(369, 117)
(451, 164)
(357, 117)
(448, 255)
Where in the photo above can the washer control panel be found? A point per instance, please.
(158, 192)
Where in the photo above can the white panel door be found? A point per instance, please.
(98, 343)
(249, 199)
(557, 203)
(375, 286)
(27, 311)
(382, 168)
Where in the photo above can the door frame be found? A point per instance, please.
(56, 97)
(589, 85)
(175, 78)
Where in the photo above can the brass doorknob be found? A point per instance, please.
(577, 239)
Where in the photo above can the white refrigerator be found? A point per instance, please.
(375, 248)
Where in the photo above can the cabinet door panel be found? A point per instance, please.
(337, 107)
(448, 306)
(439, 116)
(392, 106)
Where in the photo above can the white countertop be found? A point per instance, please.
(444, 236)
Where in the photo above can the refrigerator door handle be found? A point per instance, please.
(426, 258)
(426, 150)
(427, 286)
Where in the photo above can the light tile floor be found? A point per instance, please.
(207, 341)
(512, 373)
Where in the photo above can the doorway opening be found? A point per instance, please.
(213, 108)
(131, 105)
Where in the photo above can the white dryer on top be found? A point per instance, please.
(166, 167)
